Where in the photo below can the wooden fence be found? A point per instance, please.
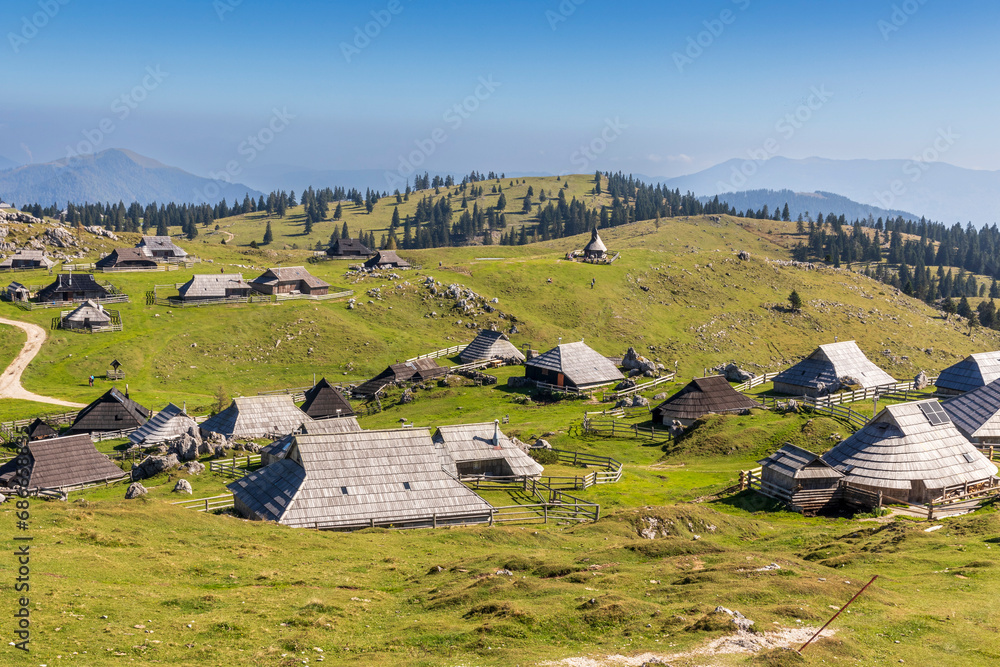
(314, 297)
(145, 269)
(446, 352)
(230, 467)
(35, 305)
(755, 382)
(206, 504)
(613, 429)
(114, 325)
(610, 473)
(639, 388)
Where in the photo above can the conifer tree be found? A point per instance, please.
(268, 236)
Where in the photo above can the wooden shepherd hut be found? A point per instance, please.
(386, 259)
(15, 291)
(803, 480)
(205, 286)
(278, 449)
(572, 365)
(169, 423)
(491, 345)
(62, 464)
(976, 413)
(419, 370)
(161, 248)
(348, 248)
(127, 259)
(112, 411)
(324, 401)
(254, 417)
(345, 481)
(702, 396)
(25, 258)
(910, 452)
(40, 430)
(289, 280)
(829, 368)
(72, 287)
(595, 250)
(475, 450)
(88, 315)
(976, 370)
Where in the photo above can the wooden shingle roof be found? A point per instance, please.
(325, 400)
(58, 463)
(906, 443)
(976, 413)
(161, 243)
(976, 370)
(596, 245)
(490, 345)
(257, 417)
(73, 282)
(212, 285)
(35, 257)
(169, 423)
(112, 411)
(580, 364)
(463, 443)
(279, 448)
(409, 371)
(799, 463)
(387, 258)
(702, 396)
(88, 310)
(288, 274)
(122, 256)
(341, 246)
(348, 480)
(829, 363)
(39, 429)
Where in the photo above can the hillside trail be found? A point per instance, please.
(10, 381)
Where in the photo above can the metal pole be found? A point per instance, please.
(838, 613)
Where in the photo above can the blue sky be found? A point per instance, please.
(890, 75)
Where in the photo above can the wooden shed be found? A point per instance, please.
(345, 481)
(976, 413)
(72, 287)
(62, 464)
(474, 450)
(15, 291)
(112, 411)
(278, 449)
(26, 258)
(702, 396)
(204, 286)
(127, 259)
(324, 401)
(803, 480)
(161, 248)
(491, 345)
(254, 417)
(572, 365)
(418, 370)
(976, 370)
(88, 315)
(348, 248)
(595, 249)
(169, 423)
(40, 430)
(289, 280)
(828, 368)
(911, 452)
(386, 259)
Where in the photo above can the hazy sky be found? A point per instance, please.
(656, 88)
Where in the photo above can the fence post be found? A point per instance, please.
(545, 509)
(206, 505)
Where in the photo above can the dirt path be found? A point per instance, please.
(10, 381)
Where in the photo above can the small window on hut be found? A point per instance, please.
(343, 490)
(969, 456)
(406, 485)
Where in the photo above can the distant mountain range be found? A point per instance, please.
(937, 190)
(7, 163)
(803, 203)
(111, 176)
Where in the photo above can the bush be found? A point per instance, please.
(544, 456)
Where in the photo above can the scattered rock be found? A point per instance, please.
(183, 486)
(744, 256)
(634, 361)
(135, 490)
(194, 468)
(153, 465)
(734, 373)
(921, 381)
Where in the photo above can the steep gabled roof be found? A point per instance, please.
(279, 448)
(212, 285)
(289, 274)
(324, 400)
(169, 423)
(123, 255)
(909, 442)
(799, 463)
(27, 255)
(704, 396)
(490, 345)
(88, 310)
(824, 368)
(112, 411)
(419, 369)
(386, 258)
(348, 480)
(596, 244)
(976, 413)
(976, 370)
(39, 429)
(58, 463)
(350, 245)
(463, 443)
(581, 365)
(257, 417)
(161, 243)
(74, 282)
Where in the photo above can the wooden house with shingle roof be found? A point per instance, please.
(88, 315)
(345, 481)
(324, 400)
(976, 413)
(15, 291)
(254, 417)
(702, 396)
(418, 370)
(72, 287)
(491, 345)
(802, 479)
(127, 259)
(278, 449)
(596, 249)
(473, 450)
(387, 259)
(169, 423)
(112, 411)
(26, 258)
(910, 452)
(39, 430)
(348, 248)
(572, 365)
(289, 280)
(204, 286)
(161, 248)
(62, 464)
(976, 370)
(827, 368)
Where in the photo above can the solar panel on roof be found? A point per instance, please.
(935, 413)
(969, 457)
